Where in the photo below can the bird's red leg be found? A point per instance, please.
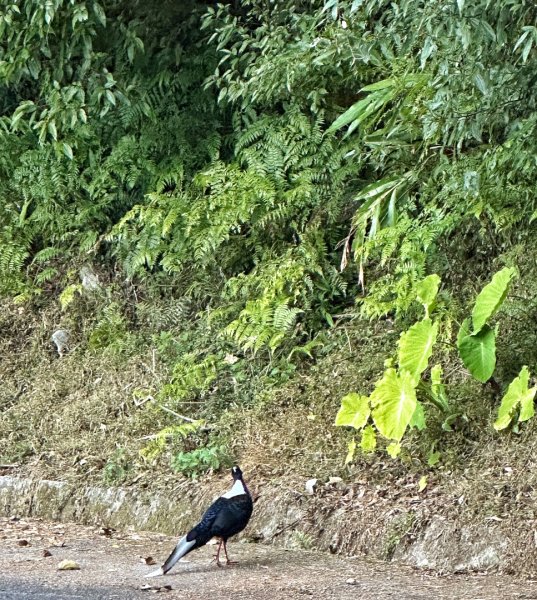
(216, 557)
(228, 561)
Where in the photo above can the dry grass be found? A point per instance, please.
(69, 418)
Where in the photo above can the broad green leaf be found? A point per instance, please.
(350, 451)
(394, 402)
(68, 151)
(438, 389)
(433, 458)
(368, 443)
(491, 297)
(464, 331)
(394, 449)
(527, 408)
(478, 353)
(354, 411)
(52, 129)
(418, 418)
(427, 291)
(416, 346)
(518, 395)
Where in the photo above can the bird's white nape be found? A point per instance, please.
(236, 490)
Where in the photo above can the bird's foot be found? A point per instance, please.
(230, 563)
(216, 560)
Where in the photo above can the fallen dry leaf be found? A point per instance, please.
(146, 587)
(148, 560)
(68, 565)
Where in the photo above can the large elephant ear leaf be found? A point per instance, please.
(478, 353)
(416, 346)
(394, 403)
(519, 396)
(491, 297)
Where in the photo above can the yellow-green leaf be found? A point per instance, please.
(518, 396)
(368, 442)
(491, 297)
(416, 347)
(427, 291)
(351, 449)
(422, 483)
(354, 411)
(394, 449)
(394, 402)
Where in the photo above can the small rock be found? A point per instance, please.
(351, 581)
(337, 483)
(23, 542)
(310, 486)
(230, 359)
(68, 565)
(90, 281)
(61, 338)
(46, 553)
(334, 480)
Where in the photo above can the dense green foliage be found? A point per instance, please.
(264, 170)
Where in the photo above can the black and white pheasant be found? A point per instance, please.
(225, 517)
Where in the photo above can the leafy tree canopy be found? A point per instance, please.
(278, 159)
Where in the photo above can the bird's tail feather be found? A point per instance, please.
(182, 548)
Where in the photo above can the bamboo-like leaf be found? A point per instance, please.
(379, 85)
(491, 297)
(364, 108)
(416, 346)
(394, 402)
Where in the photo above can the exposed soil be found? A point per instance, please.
(117, 561)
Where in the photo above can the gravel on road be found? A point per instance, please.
(112, 565)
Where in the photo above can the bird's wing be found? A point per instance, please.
(201, 533)
(233, 516)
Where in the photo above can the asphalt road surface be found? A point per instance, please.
(112, 567)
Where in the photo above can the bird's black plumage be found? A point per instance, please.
(226, 517)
